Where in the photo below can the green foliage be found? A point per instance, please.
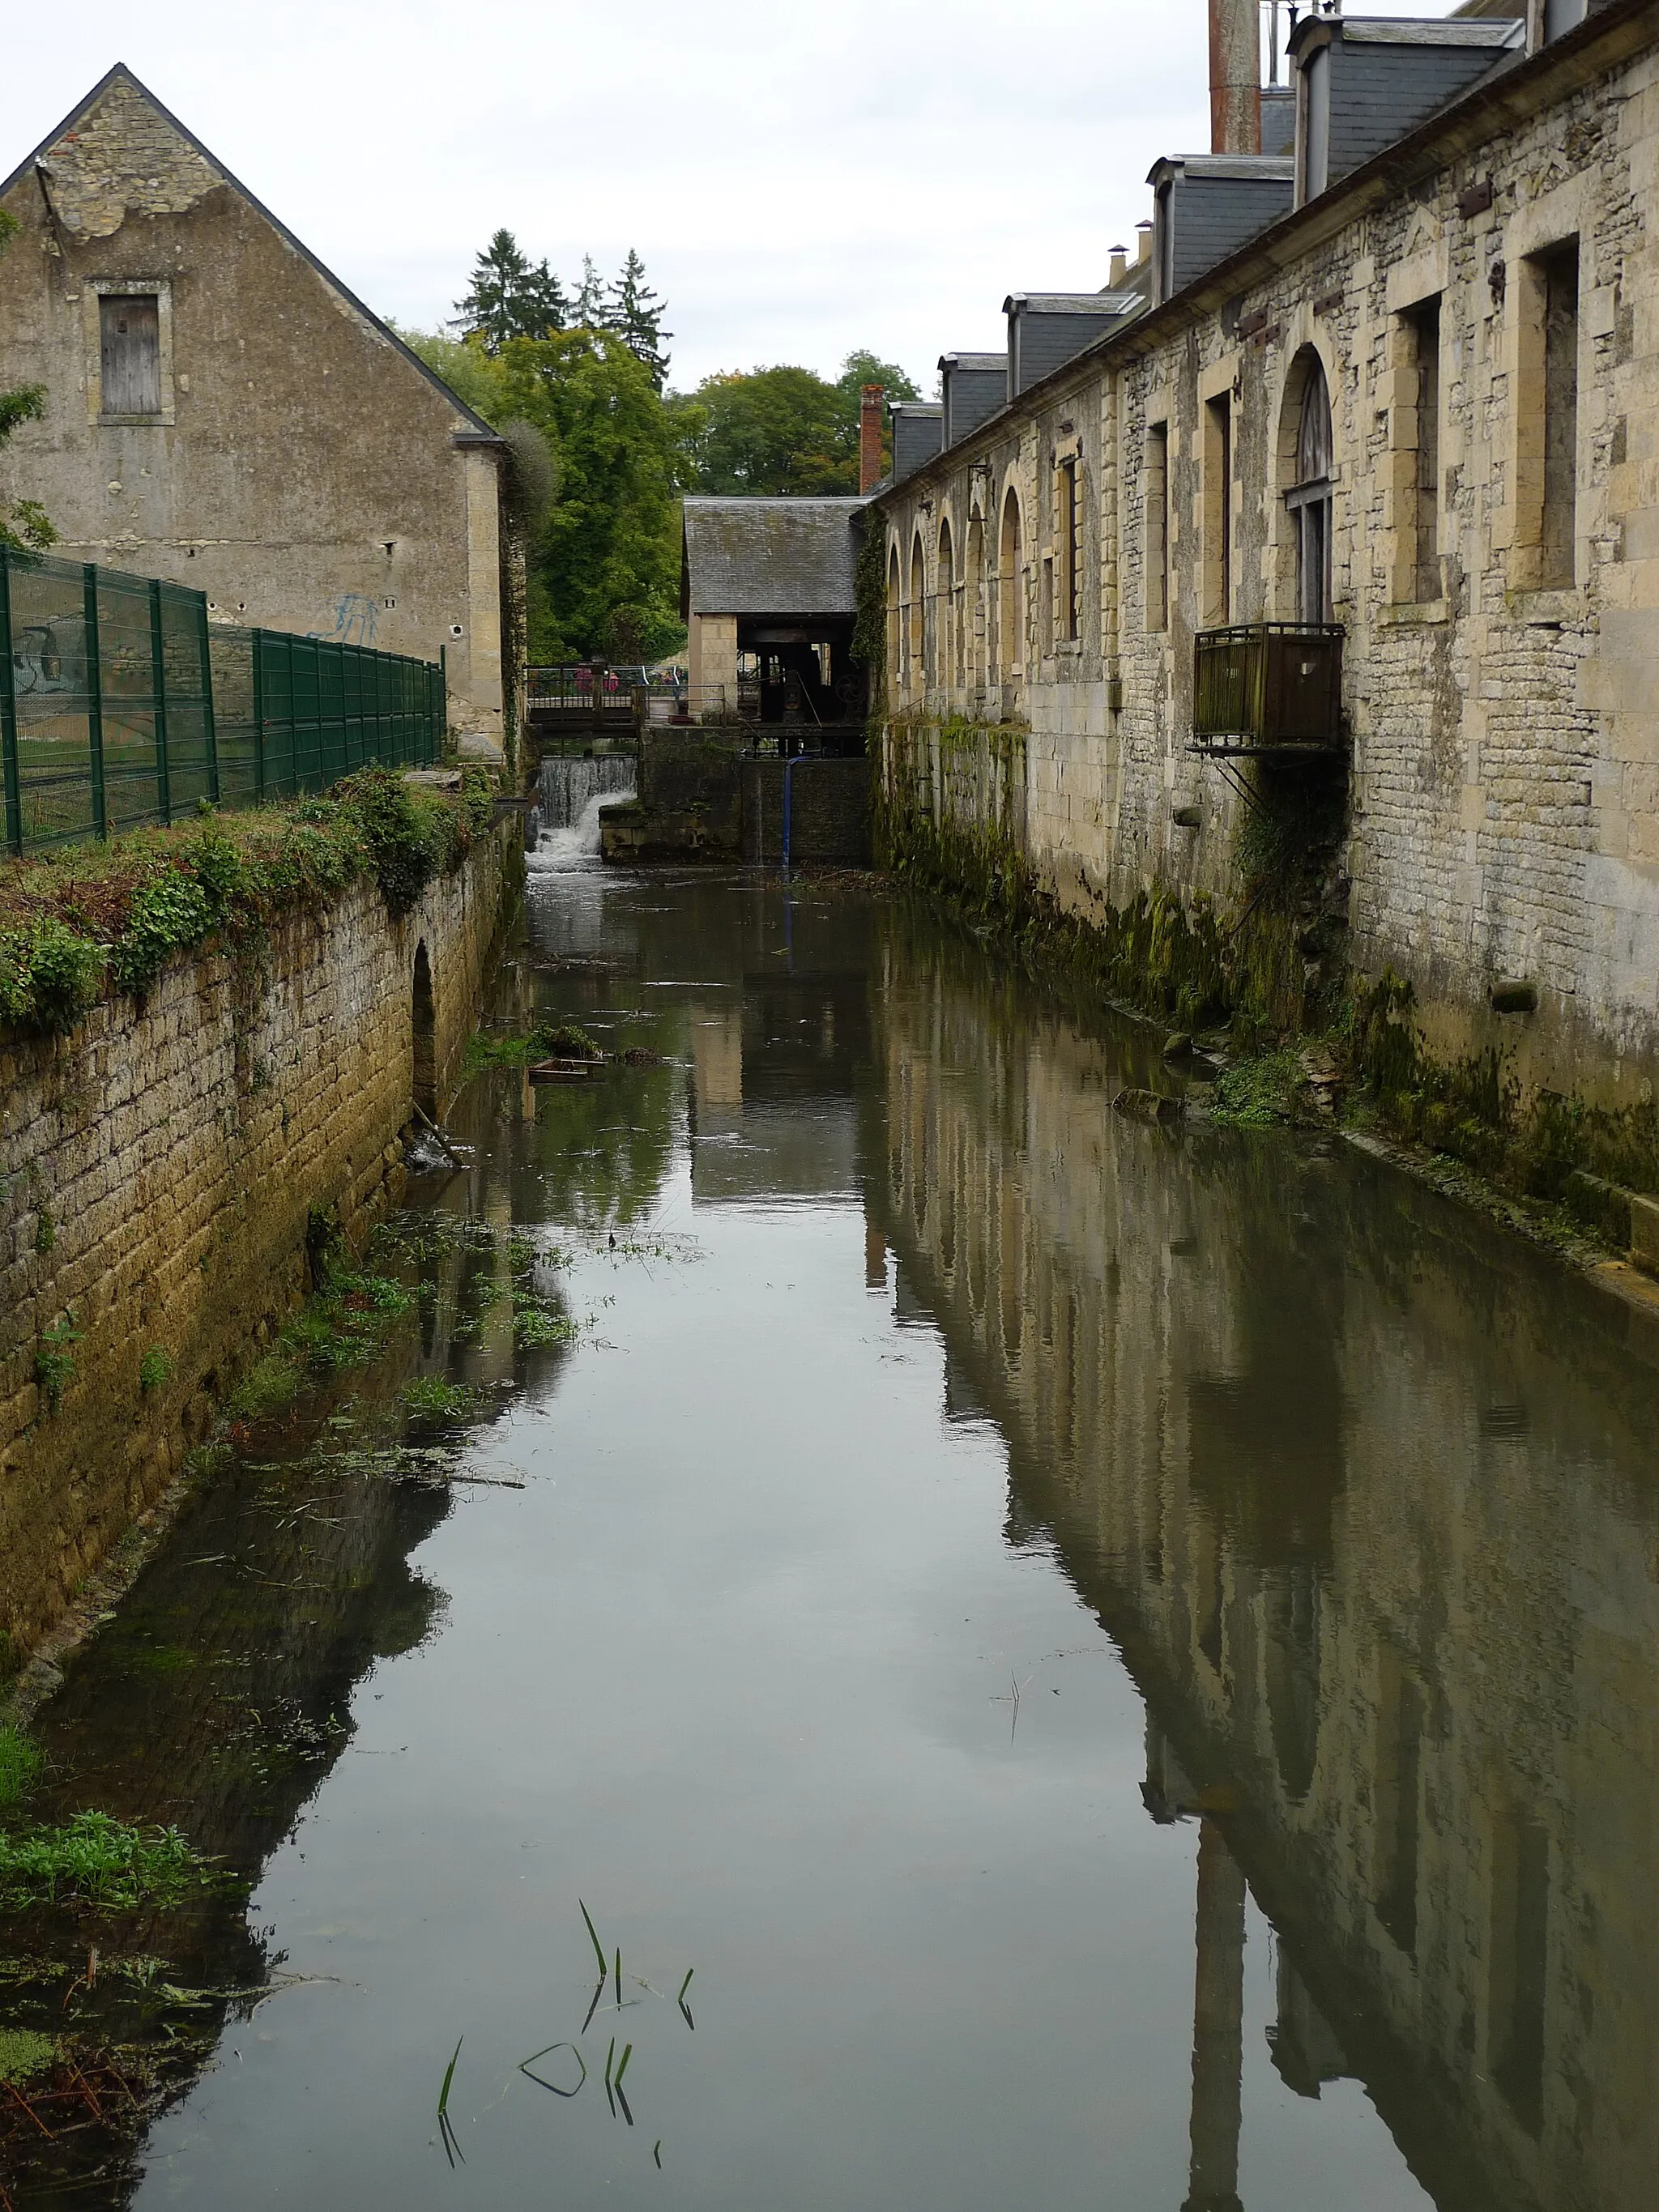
(23, 2052)
(99, 1862)
(54, 1359)
(783, 429)
(46, 1233)
(408, 830)
(123, 911)
(430, 1400)
(50, 975)
(510, 296)
(155, 1369)
(169, 914)
(22, 1764)
(1258, 1093)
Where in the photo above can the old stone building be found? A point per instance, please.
(222, 412)
(1399, 390)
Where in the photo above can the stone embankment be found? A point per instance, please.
(162, 1165)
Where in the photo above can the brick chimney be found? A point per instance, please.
(1235, 77)
(870, 398)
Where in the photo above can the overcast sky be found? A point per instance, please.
(798, 180)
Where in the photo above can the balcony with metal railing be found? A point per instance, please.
(1272, 690)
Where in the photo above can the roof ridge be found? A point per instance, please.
(120, 73)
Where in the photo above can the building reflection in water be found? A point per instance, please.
(1364, 1496)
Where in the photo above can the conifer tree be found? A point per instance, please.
(592, 309)
(635, 314)
(511, 296)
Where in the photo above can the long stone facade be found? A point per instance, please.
(159, 1167)
(1478, 307)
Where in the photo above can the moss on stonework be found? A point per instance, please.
(1274, 974)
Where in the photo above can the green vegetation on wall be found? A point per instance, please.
(112, 916)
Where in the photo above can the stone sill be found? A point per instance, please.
(1549, 609)
(1414, 614)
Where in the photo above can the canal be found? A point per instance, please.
(1064, 1660)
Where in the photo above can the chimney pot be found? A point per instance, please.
(1120, 264)
(1143, 242)
(870, 398)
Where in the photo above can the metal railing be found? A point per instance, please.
(1267, 688)
(122, 705)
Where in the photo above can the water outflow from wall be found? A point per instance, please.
(568, 784)
(572, 793)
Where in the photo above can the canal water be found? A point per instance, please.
(1122, 1663)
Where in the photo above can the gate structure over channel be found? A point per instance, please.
(122, 705)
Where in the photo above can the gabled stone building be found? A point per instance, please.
(222, 412)
(1413, 412)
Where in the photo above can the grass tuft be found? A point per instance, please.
(22, 1764)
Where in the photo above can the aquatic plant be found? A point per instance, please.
(24, 2053)
(430, 1398)
(98, 1861)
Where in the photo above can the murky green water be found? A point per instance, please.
(1126, 1664)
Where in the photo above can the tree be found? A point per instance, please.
(510, 296)
(605, 564)
(590, 311)
(23, 522)
(782, 429)
(635, 314)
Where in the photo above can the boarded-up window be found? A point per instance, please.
(130, 334)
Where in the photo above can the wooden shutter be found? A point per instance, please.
(130, 331)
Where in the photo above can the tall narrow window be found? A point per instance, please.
(1010, 583)
(1069, 550)
(1426, 335)
(130, 353)
(1157, 526)
(895, 622)
(945, 650)
(918, 617)
(1560, 287)
(1219, 509)
(1309, 498)
(1396, 1795)
(1519, 1959)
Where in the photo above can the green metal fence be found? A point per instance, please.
(121, 704)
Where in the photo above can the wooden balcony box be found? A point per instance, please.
(1267, 688)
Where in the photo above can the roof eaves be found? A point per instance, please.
(1612, 34)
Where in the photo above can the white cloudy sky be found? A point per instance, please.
(799, 180)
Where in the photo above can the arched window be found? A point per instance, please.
(1309, 498)
(974, 613)
(894, 631)
(945, 648)
(423, 1026)
(918, 615)
(1010, 585)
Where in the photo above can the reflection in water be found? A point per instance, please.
(1364, 1496)
(766, 1659)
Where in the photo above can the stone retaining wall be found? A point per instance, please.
(159, 1167)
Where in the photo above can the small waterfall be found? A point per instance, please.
(570, 783)
(578, 843)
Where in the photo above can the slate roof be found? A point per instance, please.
(768, 556)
